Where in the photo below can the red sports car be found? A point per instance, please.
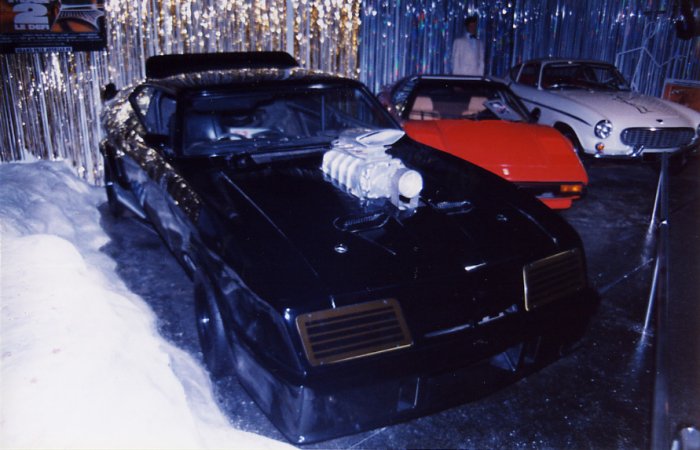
(482, 121)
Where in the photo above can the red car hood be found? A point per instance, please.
(518, 152)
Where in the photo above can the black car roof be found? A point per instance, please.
(163, 66)
(221, 80)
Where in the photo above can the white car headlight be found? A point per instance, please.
(603, 129)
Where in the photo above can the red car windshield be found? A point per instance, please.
(464, 99)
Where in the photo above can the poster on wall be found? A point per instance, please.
(30, 26)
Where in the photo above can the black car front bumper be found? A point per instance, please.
(429, 377)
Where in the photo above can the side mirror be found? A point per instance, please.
(109, 91)
(535, 115)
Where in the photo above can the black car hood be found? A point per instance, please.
(311, 244)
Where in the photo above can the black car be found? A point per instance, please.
(348, 275)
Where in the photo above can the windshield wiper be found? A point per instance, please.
(615, 86)
(238, 148)
(276, 152)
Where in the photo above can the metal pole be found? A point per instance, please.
(655, 276)
(652, 294)
(660, 426)
(656, 198)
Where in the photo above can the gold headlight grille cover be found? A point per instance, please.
(354, 331)
(553, 278)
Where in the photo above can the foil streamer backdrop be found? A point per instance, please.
(415, 36)
(50, 102)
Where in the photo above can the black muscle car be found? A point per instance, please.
(348, 275)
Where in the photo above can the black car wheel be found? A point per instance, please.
(116, 208)
(212, 336)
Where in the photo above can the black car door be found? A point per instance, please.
(166, 198)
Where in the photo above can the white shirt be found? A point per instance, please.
(467, 56)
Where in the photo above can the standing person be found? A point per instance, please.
(468, 51)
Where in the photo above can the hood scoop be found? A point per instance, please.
(358, 161)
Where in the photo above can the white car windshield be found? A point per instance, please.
(580, 75)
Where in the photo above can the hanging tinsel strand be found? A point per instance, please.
(50, 102)
(407, 37)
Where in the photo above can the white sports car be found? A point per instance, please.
(591, 103)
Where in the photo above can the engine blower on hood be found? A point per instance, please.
(358, 161)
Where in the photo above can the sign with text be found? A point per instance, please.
(28, 26)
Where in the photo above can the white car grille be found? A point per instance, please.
(657, 137)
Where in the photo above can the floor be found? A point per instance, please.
(601, 396)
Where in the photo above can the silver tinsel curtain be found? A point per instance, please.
(49, 104)
(415, 36)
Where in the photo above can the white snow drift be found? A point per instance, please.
(82, 363)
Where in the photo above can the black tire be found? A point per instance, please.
(217, 352)
(115, 208)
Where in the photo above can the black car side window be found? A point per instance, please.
(154, 109)
(166, 115)
(142, 102)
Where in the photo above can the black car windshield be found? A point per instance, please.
(580, 75)
(464, 99)
(268, 118)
